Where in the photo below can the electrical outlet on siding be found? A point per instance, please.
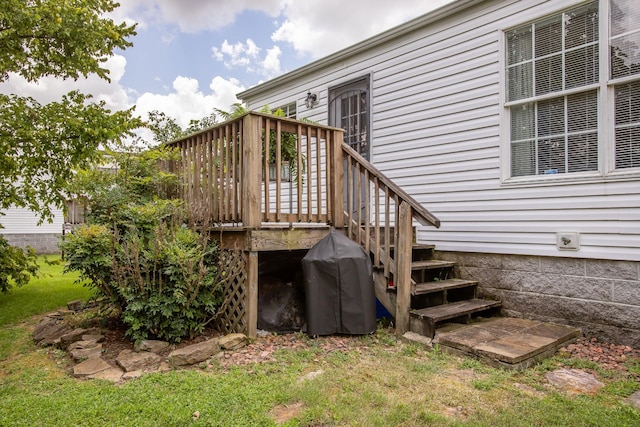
(568, 240)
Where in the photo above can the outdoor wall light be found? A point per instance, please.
(311, 100)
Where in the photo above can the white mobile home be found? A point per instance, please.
(516, 123)
(21, 229)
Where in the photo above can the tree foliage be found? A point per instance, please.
(67, 39)
(43, 144)
(17, 266)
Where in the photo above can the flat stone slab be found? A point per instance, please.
(574, 381)
(112, 374)
(134, 361)
(154, 346)
(91, 350)
(508, 342)
(634, 399)
(90, 367)
(194, 353)
(412, 337)
(514, 348)
(49, 330)
(233, 341)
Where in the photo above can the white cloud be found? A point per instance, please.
(238, 54)
(49, 89)
(247, 56)
(314, 27)
(187, 102)
(192, 16)
(271, 63)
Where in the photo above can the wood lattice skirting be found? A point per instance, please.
(232, 316)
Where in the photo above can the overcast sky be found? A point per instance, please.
(191, 56)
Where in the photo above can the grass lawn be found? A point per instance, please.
(49, 291)
(377, 381)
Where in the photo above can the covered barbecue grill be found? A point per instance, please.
(338, 284)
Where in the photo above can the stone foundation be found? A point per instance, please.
(44, 243)
(601, 297)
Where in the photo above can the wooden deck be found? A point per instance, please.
(222, 171)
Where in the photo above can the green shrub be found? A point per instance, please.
(16, 265)
(139, 254)
(89, 250)
(169, 283)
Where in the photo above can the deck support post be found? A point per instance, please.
(403, 268)
(251, 167)
(337, 179)
(251, 295)
(251, 208)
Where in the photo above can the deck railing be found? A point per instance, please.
(225, 179)
(225, 173)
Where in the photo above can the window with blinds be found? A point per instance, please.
(625, 63)
(555, 90)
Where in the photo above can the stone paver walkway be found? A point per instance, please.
(507, 342)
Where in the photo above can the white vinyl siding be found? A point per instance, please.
(24, 221)
(438, 131)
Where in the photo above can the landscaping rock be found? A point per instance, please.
(112, 374)
(81, 350)
(195, 353)
(49, 326)
(634, 399)
(233, 341)
(72, 336)
(90, 367)
(133, 361)
(154, 346)
(574, 381)
(75, 305)
(412, 337)
(93, 337)
(51, 333)
(132, 375)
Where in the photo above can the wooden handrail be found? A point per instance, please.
(420, 214)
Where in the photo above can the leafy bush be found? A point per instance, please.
(89, 250)
(169, 283)
(16, 265)
(138, 252)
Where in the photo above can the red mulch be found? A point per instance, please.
(609, 356)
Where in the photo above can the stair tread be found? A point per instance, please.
(431, 263)
(455, 309)
(442, 285)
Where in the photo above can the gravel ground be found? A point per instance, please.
(609, 356)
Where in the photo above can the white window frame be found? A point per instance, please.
(287, 109)
(606, 103)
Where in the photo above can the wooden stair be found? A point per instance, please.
(437, 296)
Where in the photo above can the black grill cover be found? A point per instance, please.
(338, 284)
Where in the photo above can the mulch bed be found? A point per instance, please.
(608, 356)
